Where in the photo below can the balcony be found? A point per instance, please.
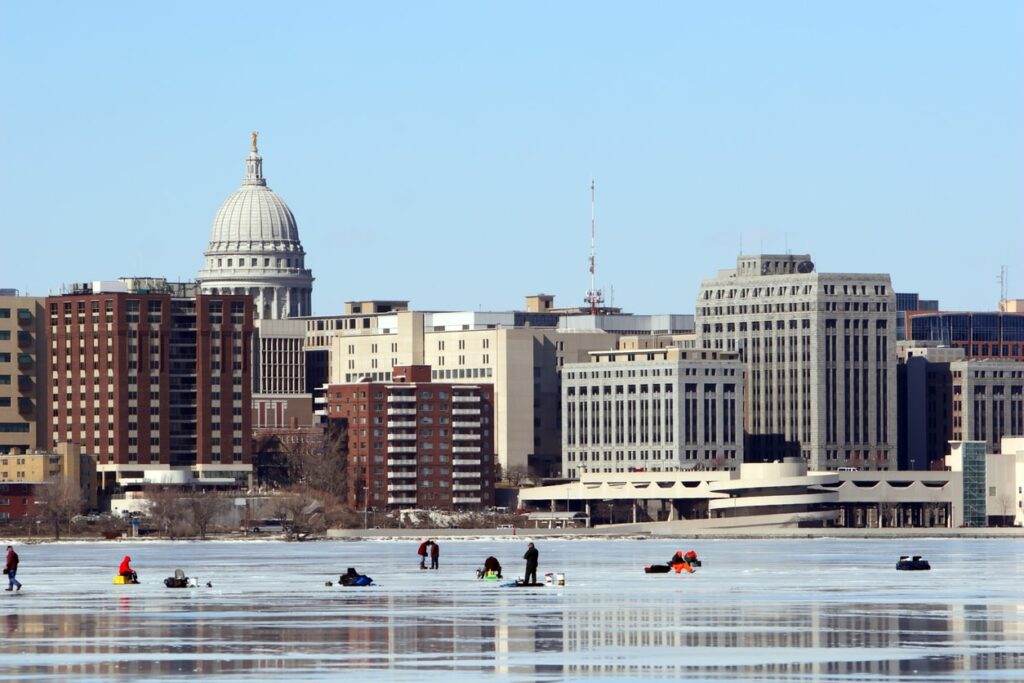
(464, 461)
(25, 361)
(402, 462)
(465, 399)
(466, 425)
(26, 384)
(402, 398)
(25, 339)
(395, 436)
(401, 475)
(401, 424)
(465, 449)
(465, 487)
(465, 475)
(465, 437)
(401, 411)
(466, 499)
(25, 405)
(401, 487)
(465, 411)
(402, 500)
(25, 316)
(401, 449)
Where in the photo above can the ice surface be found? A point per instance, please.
(778, 610)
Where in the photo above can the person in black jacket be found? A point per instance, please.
(531, 564)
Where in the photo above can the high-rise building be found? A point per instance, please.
(254, 249)
(151, 375)
(413, 442)
(988, 401)
(652, 410)
(23, 377)
(819, 354)
(924, 390)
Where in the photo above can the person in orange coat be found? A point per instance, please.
(126, 570)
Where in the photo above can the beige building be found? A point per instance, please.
(820, 358)
(988, 401)
(652, 409)
(23, 380)
(65, 460)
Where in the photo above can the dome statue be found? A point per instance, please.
(255, 249)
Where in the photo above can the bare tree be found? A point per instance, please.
(167, 511)
(321, 463)
(57, 501)
(204, 507)
(307, 512)
(516, 474)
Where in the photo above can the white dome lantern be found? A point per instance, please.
(255, 249)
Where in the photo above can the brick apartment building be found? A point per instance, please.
(417, 443)
(151, 375)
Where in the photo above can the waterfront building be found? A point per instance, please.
(24, 382)
(819, 356)
(152, 375)
(652, 409)
(40, 467)
(415, 442)
(988, 401)
(520, 352)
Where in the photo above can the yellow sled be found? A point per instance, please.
(120, 580)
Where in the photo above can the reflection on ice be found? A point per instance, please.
(824, 610)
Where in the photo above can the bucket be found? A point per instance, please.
(560, 578)
(549, 579)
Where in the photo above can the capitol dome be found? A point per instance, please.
(255, 249)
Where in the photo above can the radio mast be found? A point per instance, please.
(594, 295)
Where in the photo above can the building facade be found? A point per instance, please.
(995, 335)
(819, 354)
(254, 249)
(414, 442)
(152, 375)
(988, 401)
(24, 400)
(652, 410)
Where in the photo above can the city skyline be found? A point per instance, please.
(469, 139)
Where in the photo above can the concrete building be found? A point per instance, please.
(656, 409)
(414, 442)
(988, 401)
(38, 467)
(255, 250)
(819, 355)
(281, 398)
(755, 496)
(151, 375)
(24, 398)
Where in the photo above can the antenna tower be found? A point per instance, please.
(1002, 284)
(594, 295)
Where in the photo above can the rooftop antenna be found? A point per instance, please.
(594, 296)
(1002, 283)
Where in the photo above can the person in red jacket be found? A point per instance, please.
(11, 568)
(422, 552)
(126, 570)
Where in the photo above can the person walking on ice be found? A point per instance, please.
(11, 569)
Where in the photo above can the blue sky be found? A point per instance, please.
(443, 152)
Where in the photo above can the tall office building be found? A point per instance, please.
(23, 376)
(151, 375)
(819, 353)
(652, 410)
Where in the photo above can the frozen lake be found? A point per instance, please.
(779, 610)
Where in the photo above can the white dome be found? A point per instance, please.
(253, 213)
(255, 249)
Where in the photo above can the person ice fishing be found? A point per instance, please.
(680, 563)
(491, 564)
(422, 552)
(435, 553)
(11, 569)
(126, 570)
(531, 564)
